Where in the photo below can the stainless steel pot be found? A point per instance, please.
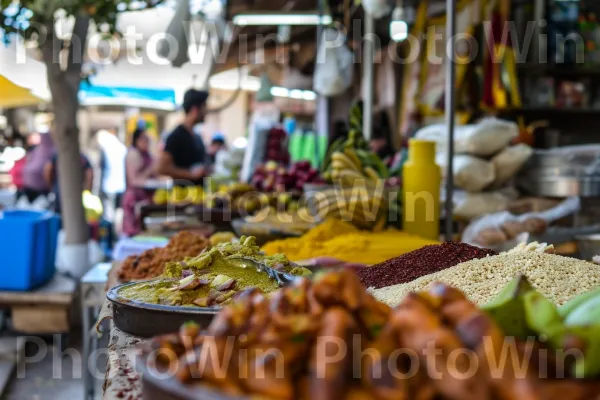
(589, 246)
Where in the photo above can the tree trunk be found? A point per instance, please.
(69, 171)
(64, 87)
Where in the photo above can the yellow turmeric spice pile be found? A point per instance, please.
(335, 238)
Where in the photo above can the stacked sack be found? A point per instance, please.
(484, 162)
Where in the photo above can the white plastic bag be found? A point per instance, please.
(502, 231)
(470, 173)
(483, 139)
(509, 162)
(474, 205)
(377, 8)
(334, 66)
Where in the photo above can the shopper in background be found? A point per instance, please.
(184, 156)
(139, 168)
(34, 182)
(112, 167)
(217, 144)
(51, 177)
(16, 175)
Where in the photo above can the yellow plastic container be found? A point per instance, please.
(421, 191)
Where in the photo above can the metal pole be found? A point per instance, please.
(322, 114)
(450, 106)
(368, 67)
(538, 48)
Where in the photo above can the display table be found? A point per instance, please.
(45, 310)
(121, 380)
(94, 285)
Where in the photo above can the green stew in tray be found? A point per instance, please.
(212, 279)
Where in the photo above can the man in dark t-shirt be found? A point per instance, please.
(183, 157)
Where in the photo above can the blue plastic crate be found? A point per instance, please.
(28, 243)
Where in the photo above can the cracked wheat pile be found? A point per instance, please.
(556, 277)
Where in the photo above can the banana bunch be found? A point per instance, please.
(350, 160)
(350, 165)
(364, 208)
(522, 312)
(179, 195)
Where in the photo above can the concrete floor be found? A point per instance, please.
(55, 375)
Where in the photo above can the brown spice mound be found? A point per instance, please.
(151, 263)
(427, 260)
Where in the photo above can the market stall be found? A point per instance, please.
(313, 253)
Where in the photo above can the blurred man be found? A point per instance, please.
(184, 156)
(112, 168)
(216, 144)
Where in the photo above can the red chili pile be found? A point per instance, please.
(418, 263)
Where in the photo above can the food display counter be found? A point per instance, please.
(451, 296)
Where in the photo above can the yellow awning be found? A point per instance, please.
(12, 95)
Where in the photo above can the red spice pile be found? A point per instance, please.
(418, 263)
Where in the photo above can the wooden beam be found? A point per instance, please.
(254, 50)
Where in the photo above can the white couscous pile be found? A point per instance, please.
(556, 277)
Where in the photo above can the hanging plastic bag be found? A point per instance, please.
(377, 8)
(334, 67)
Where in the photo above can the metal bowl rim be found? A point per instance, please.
(113, 296)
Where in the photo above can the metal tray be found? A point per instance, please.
(147, 320)
(156, 386)
(560, 186)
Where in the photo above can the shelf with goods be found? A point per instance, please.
(562, 79)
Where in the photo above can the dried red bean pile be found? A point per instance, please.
(418, 263)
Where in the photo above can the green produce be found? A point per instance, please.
(521, 311)
(543, 318)
(569, 308)
(371, 160)
(508, 309)
(589, 365)
(588, 313)
(582, 319)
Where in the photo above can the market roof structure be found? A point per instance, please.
(12, 95)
